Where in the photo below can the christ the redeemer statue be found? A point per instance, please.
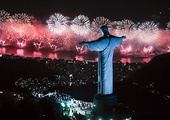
(105, 46)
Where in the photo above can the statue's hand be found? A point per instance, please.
(83, 43)
(124, 37)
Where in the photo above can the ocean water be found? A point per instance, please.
(70, 55)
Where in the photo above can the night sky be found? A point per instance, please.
(135, 10)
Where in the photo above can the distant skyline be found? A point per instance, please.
(135, 10)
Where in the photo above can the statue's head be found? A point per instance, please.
(105, 30)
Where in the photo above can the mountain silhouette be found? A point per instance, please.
(156, 73)
(145, 90)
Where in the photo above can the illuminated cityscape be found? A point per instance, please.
(50, 88)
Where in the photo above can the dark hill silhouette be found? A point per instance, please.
(12, 69)
(156, 72)
(143, 91)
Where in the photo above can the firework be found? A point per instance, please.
(38, 44)
(60, 33)
(53, 47)
(17, 31)
(100, 21)
(2, 42)
(57, 23)
(80, 25)
(148, 49)
(148, 32)
(80, 49)
(21, 43)
(126, 50)
(149, 26)
(97, 23)
(4, 16)
(168, 25)
(123, 25)
(20, 18)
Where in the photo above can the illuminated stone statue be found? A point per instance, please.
(105, 46)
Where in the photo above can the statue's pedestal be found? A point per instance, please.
(107, 107)
(104, 104)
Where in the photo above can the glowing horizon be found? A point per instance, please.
(62, 33)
